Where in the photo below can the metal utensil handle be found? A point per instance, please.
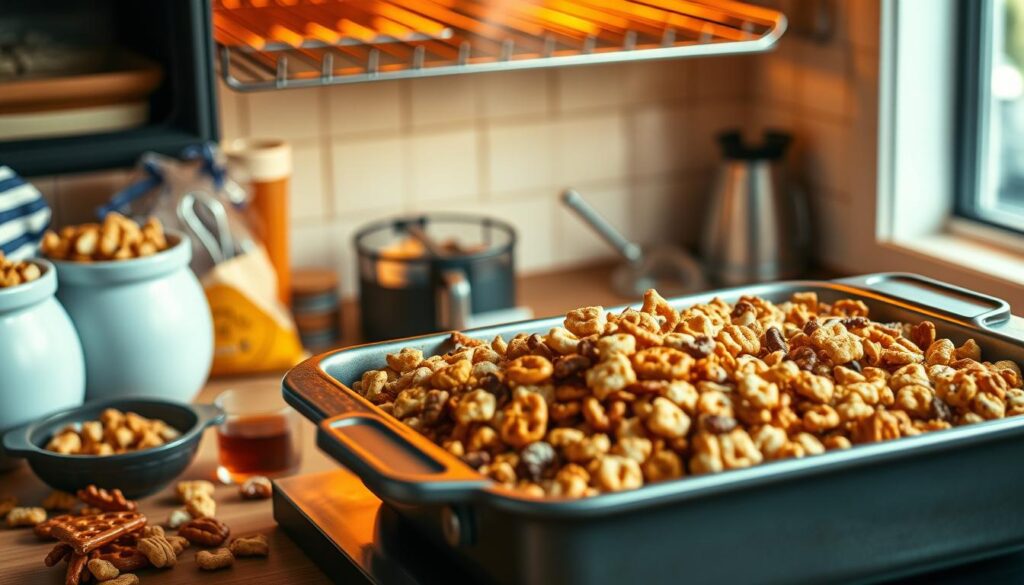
(935, 296)
(574, 201)
(394, 461)
(454, 298)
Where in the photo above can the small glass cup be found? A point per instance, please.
(260, 434)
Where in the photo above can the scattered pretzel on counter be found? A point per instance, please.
(117, 238)
(610, 402)
(110, 544)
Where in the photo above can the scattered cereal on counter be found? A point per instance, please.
(20, 517)
(250, 546)
(256, 488)
(177, 518)
(214, 560)
(58, 500)
(201, 505)
(187, 489)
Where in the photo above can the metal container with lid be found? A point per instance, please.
(431, 272)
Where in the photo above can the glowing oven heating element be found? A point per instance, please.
(267, 44)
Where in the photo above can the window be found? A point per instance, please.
(991, 106)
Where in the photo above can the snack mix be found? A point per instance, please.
(107, 540)
(117, 238)
(14, 273)
(611, 402)
(115, 432)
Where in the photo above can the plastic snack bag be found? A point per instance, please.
(253, 331)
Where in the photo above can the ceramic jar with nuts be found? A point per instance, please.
(141, 314)
(40, 355)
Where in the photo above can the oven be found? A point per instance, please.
(91, 84)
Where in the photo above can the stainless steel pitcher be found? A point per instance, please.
(757, 225)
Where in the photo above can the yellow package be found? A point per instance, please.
(253, 331)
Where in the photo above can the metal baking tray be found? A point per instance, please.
(872, 512)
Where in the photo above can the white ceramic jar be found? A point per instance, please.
(41, 364)
(144, 323)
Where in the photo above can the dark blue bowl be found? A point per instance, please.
(138, 473)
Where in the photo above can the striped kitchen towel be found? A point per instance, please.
(24, 216)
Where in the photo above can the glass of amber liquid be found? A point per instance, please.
(259, 435)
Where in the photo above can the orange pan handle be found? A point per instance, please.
(394, 461)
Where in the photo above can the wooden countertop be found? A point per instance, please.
(21, 554)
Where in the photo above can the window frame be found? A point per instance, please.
(973, 140)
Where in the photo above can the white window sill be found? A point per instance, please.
(965, 249)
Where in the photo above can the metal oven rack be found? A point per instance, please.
(276, 44)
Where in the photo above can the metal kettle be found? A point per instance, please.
(757, 226)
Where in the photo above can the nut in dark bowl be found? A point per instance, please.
(136, 472)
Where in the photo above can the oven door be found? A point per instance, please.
(175, 107)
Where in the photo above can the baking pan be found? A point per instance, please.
(872, 512)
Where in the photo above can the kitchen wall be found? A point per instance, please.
(636, 139)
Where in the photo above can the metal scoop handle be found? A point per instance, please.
(588, 214)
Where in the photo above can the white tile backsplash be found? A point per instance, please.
(823, 80)
(444, 166)
(669, 212)
(591, 148)
(368, 174)
(514, 93)
(308, 196)
(661, 139)
(232, 108)
(365, 108)
(824, 154)
(290, 113)
(443, 100)
(647, 82)
(591, 87)
(519, 156)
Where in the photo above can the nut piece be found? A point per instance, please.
(214, 560)
(189, 489)
(250, 546)
(19, 517)
(201, 505)
(159, 551)
(205, 531)
(58, 500)
(256, 488)
(118, 238)
(102, 570)
(125, 579)
(178, 543)
(177, 518)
